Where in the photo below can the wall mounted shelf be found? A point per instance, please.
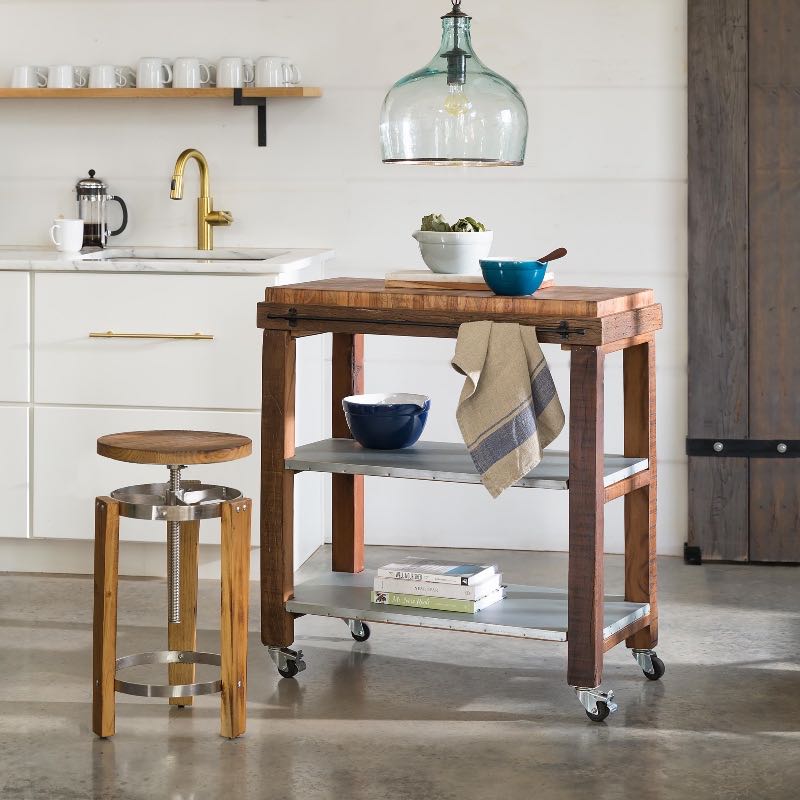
(249, 96)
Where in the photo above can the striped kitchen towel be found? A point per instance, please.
(509, 410)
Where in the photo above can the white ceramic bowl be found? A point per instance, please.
(454, 253)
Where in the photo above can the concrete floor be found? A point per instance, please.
(414, 713)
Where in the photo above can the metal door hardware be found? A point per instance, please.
(744, 448)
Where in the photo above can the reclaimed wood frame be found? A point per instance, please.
(632, 331)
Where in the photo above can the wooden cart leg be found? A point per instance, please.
(235, 571)
(106, 575)
(277, 488)
(639, 378)
(586, 502)
(183, 635)
(347, 491)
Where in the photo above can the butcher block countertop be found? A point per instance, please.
(573, 315)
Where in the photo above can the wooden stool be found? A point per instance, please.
(182, 504)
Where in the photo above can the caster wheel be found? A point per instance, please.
(602, 712)
(363, 636)
(289, 671)
(658, 669)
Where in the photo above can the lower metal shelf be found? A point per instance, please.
(527, 612)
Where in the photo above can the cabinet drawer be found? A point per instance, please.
(221, 372)
(68, 474)
(15, 337)
(14, 499)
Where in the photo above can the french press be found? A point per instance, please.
(92, 209)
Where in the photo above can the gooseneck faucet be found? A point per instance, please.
(207, 217)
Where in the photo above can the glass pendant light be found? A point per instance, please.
(455, 111)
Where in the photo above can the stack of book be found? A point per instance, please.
(438, 585)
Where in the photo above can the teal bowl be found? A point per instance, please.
(513, 277)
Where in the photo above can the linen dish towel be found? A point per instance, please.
(509, 409)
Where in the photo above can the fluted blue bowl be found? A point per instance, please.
(386, 421)
(513, 277)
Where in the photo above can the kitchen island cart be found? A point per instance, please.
(590, 323)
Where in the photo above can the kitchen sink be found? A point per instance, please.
(182, 254)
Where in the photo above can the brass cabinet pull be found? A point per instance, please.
(112, 335)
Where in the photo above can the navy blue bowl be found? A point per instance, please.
(377, 423)
(513, 278)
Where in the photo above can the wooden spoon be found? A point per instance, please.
(559, 252)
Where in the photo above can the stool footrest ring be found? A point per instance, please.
(168, 690)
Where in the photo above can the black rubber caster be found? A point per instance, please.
(289, 671)
(602, 712)
(658, 669)
(364, 636)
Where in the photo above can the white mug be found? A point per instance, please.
(64, 76)
(67, 235)
(232, 72)
(275, 71)
(29, 77)
(153, 73)
(212, 73)
(294, 75)
(187, 73)
(106, 76)
(249, 68)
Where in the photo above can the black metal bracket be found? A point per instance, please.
(744, 448)
(292, 317)
(261, 111)
(692, 554)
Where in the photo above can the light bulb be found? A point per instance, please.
(456, 103)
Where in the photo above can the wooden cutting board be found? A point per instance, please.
(559, 301)
(425, 279)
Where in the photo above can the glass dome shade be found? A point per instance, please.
(455, 111)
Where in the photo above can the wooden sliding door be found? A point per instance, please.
(744, 279)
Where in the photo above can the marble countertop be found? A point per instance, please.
(223, 260)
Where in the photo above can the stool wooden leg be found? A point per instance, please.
(106, 573)
(233, 622)
(183, 635)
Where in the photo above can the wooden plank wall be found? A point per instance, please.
(774, 273)
(718, 271)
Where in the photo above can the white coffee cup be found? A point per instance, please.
(67, 235)
(106, 76)
(29, 77)
(63, 76)
(232, 72)
(293, 73)
(187, 73)
(273, 71)
(153, 73)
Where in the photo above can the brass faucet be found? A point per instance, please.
(207, 217)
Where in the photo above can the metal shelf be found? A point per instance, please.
(527, 612)
(442, 461)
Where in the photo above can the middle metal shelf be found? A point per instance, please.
(442, 461)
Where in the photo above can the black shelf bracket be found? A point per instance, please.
(261, 112)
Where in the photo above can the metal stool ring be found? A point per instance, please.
(194, 501)
(168, 690)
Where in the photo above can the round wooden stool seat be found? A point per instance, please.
(174, 447)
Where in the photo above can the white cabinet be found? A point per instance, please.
(86, 387)
(72, 368)
(14, 472)
(14, 337)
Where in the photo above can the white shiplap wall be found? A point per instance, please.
(605, 83)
